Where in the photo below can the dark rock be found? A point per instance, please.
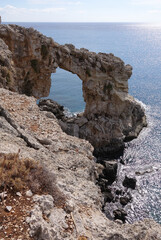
(110, 171)
(116, 237)
(108, 197)
(122, 161)
(124, 200)
(120, 214)
(118, 192)
(103, 183)
(72, 129)
(129, 182)
(52, 106)
(116, 199)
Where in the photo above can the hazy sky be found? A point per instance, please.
(80, 10)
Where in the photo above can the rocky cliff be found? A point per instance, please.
(27, 59)
(38, 136)
(111, 116)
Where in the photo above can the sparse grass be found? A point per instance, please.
(13, 172)
(88, 72)
(8, 78)
(17, 174)
(107, 88)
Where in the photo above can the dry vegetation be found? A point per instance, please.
(20, 175)
(17, 174)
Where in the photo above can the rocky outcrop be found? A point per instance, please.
(23, 126)
(7, 72)
(111, 116)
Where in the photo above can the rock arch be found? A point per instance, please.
(111, 115)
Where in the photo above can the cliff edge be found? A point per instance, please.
(111, 116)
(38, 136)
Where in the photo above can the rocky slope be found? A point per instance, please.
(110, 113)
(38, 135)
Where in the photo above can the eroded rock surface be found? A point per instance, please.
(111, 115)
(22, 126)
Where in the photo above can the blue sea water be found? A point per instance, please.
(140, 46)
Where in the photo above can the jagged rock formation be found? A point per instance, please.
(38, 136)
(111, 115)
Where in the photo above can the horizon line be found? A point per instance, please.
(78, 22)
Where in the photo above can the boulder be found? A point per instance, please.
(124, 200)
(120, 214)
(129, 182)
(110, 171)
(52, 106)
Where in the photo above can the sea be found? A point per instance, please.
(137, 44)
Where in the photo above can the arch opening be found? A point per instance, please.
(66, 89)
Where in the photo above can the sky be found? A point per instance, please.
(80, 10)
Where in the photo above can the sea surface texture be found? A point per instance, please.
(140, 46)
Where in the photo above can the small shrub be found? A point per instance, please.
(27, 76)
(103, 69)
(82, 238)
(17, 174)
(43, 181)
(107, 88)
(81, 58)
(2, 62)
(88, 72)
(109, 68)
(13, 172)
(8, 78)
(35, 65)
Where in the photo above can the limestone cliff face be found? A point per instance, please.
(31, 58)
(38, 135)
(110, 116)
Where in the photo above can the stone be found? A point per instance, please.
(8, 208)
(3, 195)
(69, 206)
(29, 193)
(50, 115)
(45, 202)
(108, 197)
(39, 227)
(52, 106)
(103, 183)
(44, 141)
(18, 194)
(120, 214)
(118, 191)
(129, 182)
(110, 171)
(124, 200)
(116, 237)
